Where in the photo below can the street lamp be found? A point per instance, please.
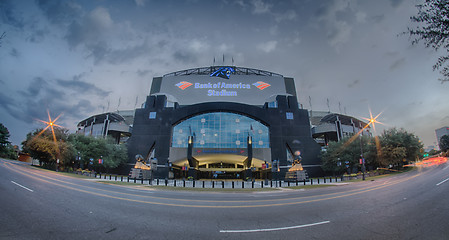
(362, 160)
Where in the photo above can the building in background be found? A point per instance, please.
(223, 121)
(327, 126)
(117, 125)
(441, 132)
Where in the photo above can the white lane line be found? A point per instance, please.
(22, 186)
(438, 184)
(445, 167)
(273, 229)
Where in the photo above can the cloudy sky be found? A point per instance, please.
(80, 58)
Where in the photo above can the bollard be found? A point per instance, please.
(336, 180)
(296, 182)
(174, 183)
(95, 175)
(157, 181)
(213, 184)
(243, 184)
(100, 175)
(110, 177)
(115, 177)
(330, 179)
(184, 183)
(128, 178)
(232, 184)
(193, 182)
(324, 179)
(261, 184)
(311, 181)
(252, 184)
(271, 183)
(318, 180)
(222, 184)
(280, 183)
(203, 184)
(304, 182)
(166, 182)
(121, 178)
(141, 181)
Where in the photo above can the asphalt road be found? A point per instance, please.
(40, 204)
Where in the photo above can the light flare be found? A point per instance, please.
(50, 124)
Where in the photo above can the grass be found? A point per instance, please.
(408, 169)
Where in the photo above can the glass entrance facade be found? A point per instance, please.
(220, 130)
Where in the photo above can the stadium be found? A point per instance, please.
(223, 122)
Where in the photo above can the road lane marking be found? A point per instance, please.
(22, 186)
(344, 194)
(445, 167)
(273, 229)
(447, 179)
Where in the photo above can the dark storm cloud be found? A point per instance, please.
(98, 51)
(37, 36)
(143, 73)
(127, 54)
(82, 87)
(59, 12)
(42, 95)
(90, 29)
(184, 56)
(10, 105)
(378, 18)
(14, 52)
(9, 14)
(396, 3)
(397, 64)
(353, 84)
(35, 87)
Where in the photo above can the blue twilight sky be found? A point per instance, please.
(81, 58)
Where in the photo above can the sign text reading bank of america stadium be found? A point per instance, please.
(222, 88)
(248, 89)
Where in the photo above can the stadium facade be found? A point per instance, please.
(117, 125)
(223, 121)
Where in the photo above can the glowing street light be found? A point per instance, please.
(371, 121)
(51, 124)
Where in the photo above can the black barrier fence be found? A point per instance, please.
(224, 183)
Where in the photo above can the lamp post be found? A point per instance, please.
(362, 160)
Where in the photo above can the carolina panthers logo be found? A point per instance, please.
(223, 72)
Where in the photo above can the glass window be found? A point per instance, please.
(289, 115)
(220, 130)
(152, 115)
(273, 104)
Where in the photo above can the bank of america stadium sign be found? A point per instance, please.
(222, 88)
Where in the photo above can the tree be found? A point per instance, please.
(347, 152)
(87, 147)
(398, 147)
(433, 18)
(444, 143)
(6, 149)
(41, 145)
